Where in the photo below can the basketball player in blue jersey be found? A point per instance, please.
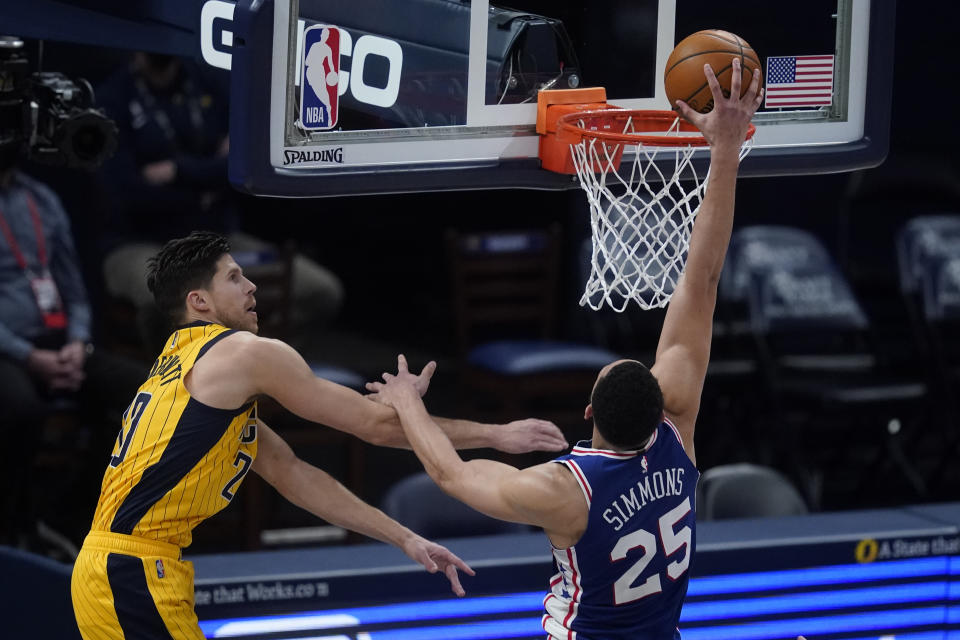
(619, 509)
(191, 434)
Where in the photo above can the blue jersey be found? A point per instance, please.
(627, 575)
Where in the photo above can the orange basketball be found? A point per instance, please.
(683, 78)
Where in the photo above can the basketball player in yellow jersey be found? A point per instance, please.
(191, 434)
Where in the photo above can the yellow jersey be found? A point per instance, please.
(176, 461)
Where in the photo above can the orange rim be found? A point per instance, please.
(608, 125)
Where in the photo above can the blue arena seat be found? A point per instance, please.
(418, 503)
(506, 302)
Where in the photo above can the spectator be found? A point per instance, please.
(46, 356)
(169, 177)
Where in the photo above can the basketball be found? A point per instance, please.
(333, 78)
(683, 77)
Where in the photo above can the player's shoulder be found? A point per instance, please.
(553, 476)
(238, 346)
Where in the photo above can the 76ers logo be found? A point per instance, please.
(321, 76)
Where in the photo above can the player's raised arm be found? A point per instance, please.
(684, 348)
(275, 369)
(539, 495)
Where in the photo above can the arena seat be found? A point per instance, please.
(505, 294)
(825, 376)
(928, 256)
(419, 504)
(746, 491)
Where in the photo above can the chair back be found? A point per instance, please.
(505, 284)
(746, 491)
(921, 240)
(807, 298)
(758, 249)
(419, 504)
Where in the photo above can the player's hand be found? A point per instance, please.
(531, 434)
(435, 557)
(403, 377)
(727, 123)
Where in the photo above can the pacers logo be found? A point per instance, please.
(321, 75)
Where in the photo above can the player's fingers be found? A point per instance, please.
(428, 563)
(463, 566)
(374, 386)
(554, 444)
(687, 113)
(429, 370)
(551, 430)
(402, 364)
(714, 83)
(454, 578)
(755, 78)
(736, 79)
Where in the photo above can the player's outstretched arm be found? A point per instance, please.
(683, 351)
(243, 366)
(540, 495)
(317, 492)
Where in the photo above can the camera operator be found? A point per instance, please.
(47, 361)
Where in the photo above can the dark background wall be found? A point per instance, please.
(388, 250)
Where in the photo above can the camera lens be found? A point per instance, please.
(86, 139)
(88, 142)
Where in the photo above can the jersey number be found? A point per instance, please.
(131, 418)
(624, 590)
(242, 463)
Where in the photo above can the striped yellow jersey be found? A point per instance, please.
(177, 461)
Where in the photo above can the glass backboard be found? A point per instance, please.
(378, 96)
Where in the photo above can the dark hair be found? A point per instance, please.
(182, 265)
(627, 405)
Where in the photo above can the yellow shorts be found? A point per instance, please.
(125, 587)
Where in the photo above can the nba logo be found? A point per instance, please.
(320, 77)
(160, 572)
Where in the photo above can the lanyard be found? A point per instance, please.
(37, 229)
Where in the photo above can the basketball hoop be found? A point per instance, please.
(641, 218)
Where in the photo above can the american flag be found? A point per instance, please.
(799, 81)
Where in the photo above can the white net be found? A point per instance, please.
(641, 221)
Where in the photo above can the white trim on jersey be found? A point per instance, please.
(617, 455)
(581, 479)
(577, 589)
(561, 604)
